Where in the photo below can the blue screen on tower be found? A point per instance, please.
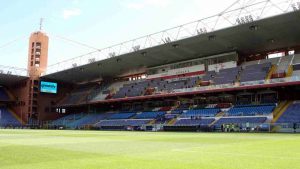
(48, 87)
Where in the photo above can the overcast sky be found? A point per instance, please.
(98, 23)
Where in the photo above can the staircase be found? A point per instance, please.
(271, 72)
(172, 122)
(211, 124)
(290, 71)
(220, 114)
(152, 122)
(10, 95)
(16, 116)
(280, 109)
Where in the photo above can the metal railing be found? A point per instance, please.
(238, 13)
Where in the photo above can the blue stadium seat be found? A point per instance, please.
(8, 119)
(251, 110)
(209, 112)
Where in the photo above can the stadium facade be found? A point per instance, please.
(228, 78)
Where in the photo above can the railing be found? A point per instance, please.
(234, 15)
(13, 71)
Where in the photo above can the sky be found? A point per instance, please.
(97, 23)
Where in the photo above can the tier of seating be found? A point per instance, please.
(193, 122)
(250, 110)
(121, 115)
(210, 112)
(255, 72)
(284, 63)
(296, 70)
(150, 115)
(89, 119)
(3, 95)
(208, 76)
(123, 122)
(239, 114)
(240, 120)
(291, 114)
(226, 76)
(7, 119)
(139, 88)
(68, 119)
(78, 95)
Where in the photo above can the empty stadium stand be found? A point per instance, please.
(240, 120)
(3, 95)
(7, 119)
(122, 123)
(251, 110)
(149, 115)
(194, 122)
(255, 72)
(291, 114)
(208, 112)
(121, 115)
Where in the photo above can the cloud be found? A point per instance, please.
(147, 3)
(68, 13)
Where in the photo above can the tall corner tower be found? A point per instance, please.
(37, 65)
(37, 54)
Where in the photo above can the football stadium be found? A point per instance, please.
(221, 92)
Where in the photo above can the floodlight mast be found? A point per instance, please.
(41, 23)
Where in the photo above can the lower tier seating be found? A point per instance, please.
(121, 115)
(240, 120)
(3, 95)
(149, 115)
(193, 122)
(250, 110)
(291, 114)
(123, 122)
(67, 119)
(7, 119)
(201, 112)
(89, 119)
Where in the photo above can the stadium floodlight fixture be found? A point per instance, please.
(253, 27)
(201, 31)
(212, 37)
(112, 54)
(176, 45)
(166, 40)
(136, 48)
(119, 59)
(91, 60)
(144, 53)
(245, 19)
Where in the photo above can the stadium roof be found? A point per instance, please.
(8, 79)
(11, 75)
(281, 31)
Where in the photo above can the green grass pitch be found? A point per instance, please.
(50, 149)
